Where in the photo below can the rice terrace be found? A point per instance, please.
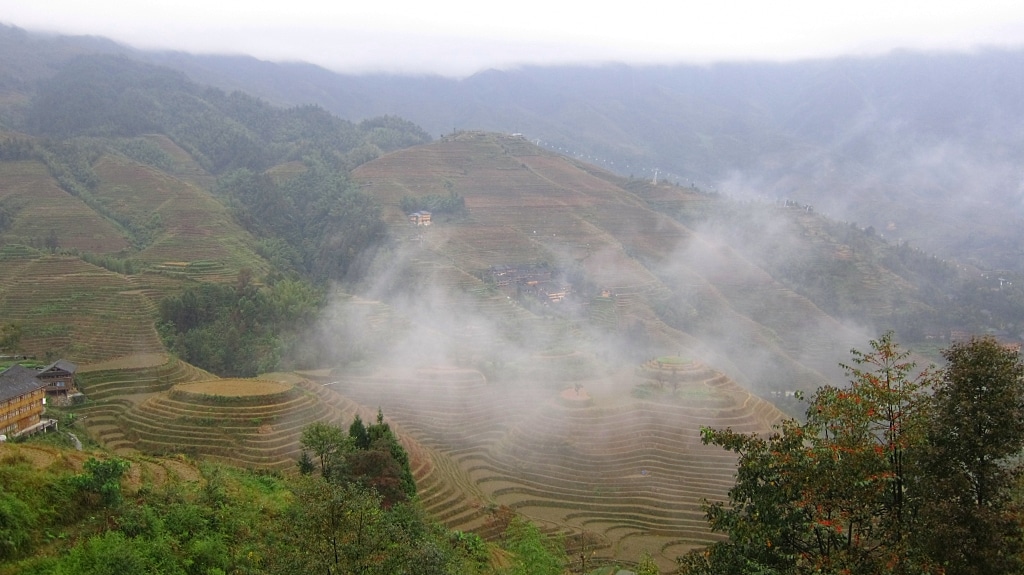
(558, 425)
(535, 339)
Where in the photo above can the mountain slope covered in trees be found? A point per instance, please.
(919, 146)
(124, 167)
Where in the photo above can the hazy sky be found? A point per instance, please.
(458, 38)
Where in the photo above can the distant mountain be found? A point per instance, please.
(772, 292)
(923, 147)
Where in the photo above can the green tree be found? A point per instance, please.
(10, 337)
(357, 431)
(306, 465)
(972, 524)
(102, 478)
(534, 553)
(383, 439)
(884, 417)
(337, 527)
(328, 443)
(376, 460)
(836, 493)
(647, 566)
(375, 468)
(342, 528)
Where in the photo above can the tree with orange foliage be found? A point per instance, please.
(837, 493)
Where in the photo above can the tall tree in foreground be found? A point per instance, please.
(972, 525)
(836, 494)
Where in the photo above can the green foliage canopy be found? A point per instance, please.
(239, 330)
(453, 203)
(102, 478)
(969, 470)
(327, 226)
(873, 480)
(230, 521)
(534, 553)
(370, 456)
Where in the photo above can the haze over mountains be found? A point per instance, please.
(923, 147)
(147, 209)
(920, 146)
(920, 149)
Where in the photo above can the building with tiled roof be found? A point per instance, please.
(59, 378)
(22, 400)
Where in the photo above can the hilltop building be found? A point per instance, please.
(420, 218)
(22, 401)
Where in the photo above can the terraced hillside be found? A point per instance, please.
(43, 213)
(74, 309)
(582, 457)
(156, 230)
(153, 472)
(188, 232)
(115, 386)
(636, 269)
(558, 429)
(172, 407)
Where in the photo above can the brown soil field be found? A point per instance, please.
(234, 387)
(135, 361)
(40, 456)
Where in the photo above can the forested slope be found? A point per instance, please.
(132, 168)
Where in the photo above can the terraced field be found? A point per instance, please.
(627, 473)
(519, 214)
(168, 231)
(676, 287)
(75, 310)
(175, 408)
(152, 471)
(194, 236)
(43, 212)
(183, 165)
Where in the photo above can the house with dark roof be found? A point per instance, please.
(22, 401)
(59, 378)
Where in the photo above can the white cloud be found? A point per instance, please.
(459, 38)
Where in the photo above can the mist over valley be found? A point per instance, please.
(547, 279)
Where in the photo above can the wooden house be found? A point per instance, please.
(551, 292)
(22, 400)
(59, 378)
(503, 275)
(420, 218)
